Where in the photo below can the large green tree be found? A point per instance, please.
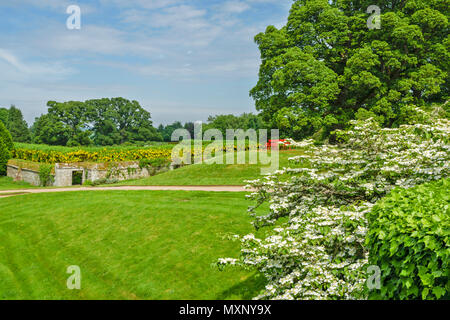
(74, 116)
(4, 115)
(326, 66)
(12, 118)
(244, 121)
(98, 121)
(17, 126)
(48, 129)
(118, 120)
(6, 146)
(166, 131)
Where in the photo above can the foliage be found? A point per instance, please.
(145, 163)
(325, 65)
(88, 183)
(6, 146)
(48, 129)
(5, 136)
(99, 182)
(24, 164)
(317, 251)
(409, 238)
(189, 126)
(114, 171)
(4, 116)
(77, 178)
(45, 175)
(51, 154)
(154, 165)
(167, 131)
(5, 154)
(245, 121)
(152, 152)
(16, 125)
(101, 122)
(74, 117)
(118, 120)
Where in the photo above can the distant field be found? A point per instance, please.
(212, 174)
(128, 244)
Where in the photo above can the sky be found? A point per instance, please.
(181, 59)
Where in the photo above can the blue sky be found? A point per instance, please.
(181, 59)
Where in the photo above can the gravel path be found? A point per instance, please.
(10, 193)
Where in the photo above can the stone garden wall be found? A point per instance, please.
(98, 171)
(90, 171)
(22, 174)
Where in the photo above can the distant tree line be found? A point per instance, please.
(166, 130)
(244, 121)
(106, 122)
(101, 122)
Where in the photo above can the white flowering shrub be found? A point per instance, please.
(317, 251)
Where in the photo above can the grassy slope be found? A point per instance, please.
(129, 245)
(211, 174)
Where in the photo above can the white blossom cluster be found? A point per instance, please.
(320, 253)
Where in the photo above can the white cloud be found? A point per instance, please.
(235, 7)
(33, 69)
(145, 4)
(140, 49)
(55, 5)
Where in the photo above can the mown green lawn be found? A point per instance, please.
(7, 183)
(128, 244)
(213, 174)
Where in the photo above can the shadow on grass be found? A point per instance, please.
(245, 290)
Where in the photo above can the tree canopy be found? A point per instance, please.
(244, 121)
(326, 67)
(118, 120)
(6, 146)
(166, 130)
(12, 118)
(221, 122)
(98, 121)
(48, 129)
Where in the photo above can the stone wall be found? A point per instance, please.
(124, 171)
(22, 174)
(90, 171)
(63, 174)
(94, 172)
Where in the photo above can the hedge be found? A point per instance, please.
(5, 136)
(6, 146)
(4, 156)
(409, 239)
